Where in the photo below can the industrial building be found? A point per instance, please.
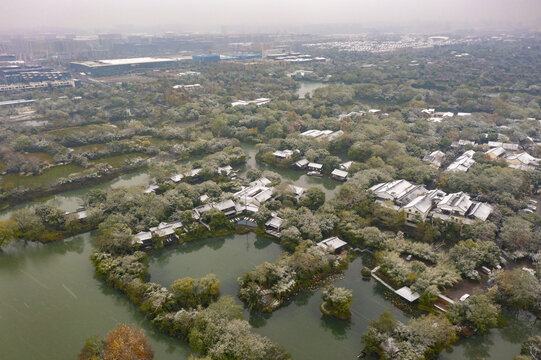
(118, 66)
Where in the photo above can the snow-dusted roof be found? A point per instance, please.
(332, 244)
(407, 294)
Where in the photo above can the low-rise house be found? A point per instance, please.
(401, 192)
(435, 158)
(228, 207)
(143, 238)
(339, 175)
(463, 114)
(302, 164)
(455, 204)
(315, 167)
(273, 226)
(333, 245)
(461, 143)
(522, 161)
(345, 166)
(225, 170)
(177, 178)
(297, 190)
(151, 188)
(495, 153)
(463, 162)
(428, 111)
(258, 102)
(480, 211)
(283, 154)
(419, 208)
(406, 293)
(257, 193)
(166, 231)
(322, 134)
(353, 114)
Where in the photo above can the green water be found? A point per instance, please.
(71, 200)
(51, 302)
(226, 257)
(308, 87)
(297, 177)
(48, 176)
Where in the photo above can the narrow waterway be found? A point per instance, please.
(73, 199)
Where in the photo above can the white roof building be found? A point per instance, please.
(495, 153)
(340, 174)
(346, 165)
(315, 166)
(151, 188)
(421, 205)
(283, 154)
(258, 102)
(177, 178)
(480, 211)
(455, 204)
(463, 162)
(332, 244)
(407, 294)
(522, 161)
(301, 164)
(142, 237)
(399, 191)
(257, 193)
(435, 158)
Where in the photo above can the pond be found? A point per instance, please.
(73, 199)
(308, 87)
(297, 177)
(226, 257)
(55, 302)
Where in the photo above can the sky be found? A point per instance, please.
(110, 15)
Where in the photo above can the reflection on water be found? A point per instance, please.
(55, 302)
(226, 257)
(308, 87)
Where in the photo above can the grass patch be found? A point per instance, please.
(118, 161)
(48, 176)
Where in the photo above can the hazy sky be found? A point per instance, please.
(96, 15)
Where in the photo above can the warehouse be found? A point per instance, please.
(117, 66)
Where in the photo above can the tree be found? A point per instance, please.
(127, 343)
(115, 238)
(291, 237)
(519, 289)
(532, 347)
(8, 231)
(274, 131)
(184, 291)
(92, 350)
(337, 301)
(28, 223)
(313, 198)
(50, 215)
(478, 310)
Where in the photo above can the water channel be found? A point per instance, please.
(51, 301)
